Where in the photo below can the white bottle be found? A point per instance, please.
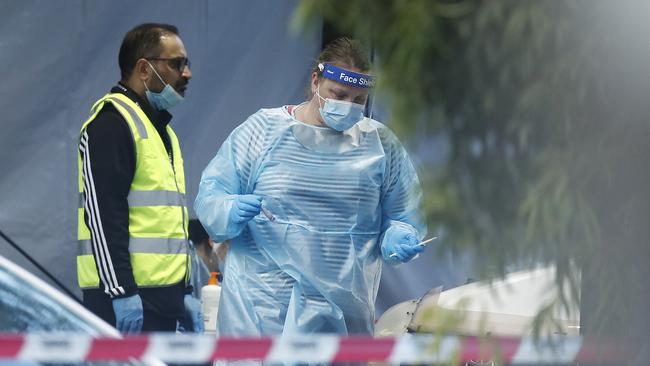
(210, 295)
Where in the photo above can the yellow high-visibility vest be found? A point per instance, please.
(157, 210)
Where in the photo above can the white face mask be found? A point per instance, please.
(338, 114)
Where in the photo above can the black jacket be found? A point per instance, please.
(108, 157)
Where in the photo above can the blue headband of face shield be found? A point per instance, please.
(346, 76)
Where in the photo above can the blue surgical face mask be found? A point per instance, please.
(164, 100)
(338, 114)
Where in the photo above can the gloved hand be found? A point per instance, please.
(244, 208)
(128, 313)
(402, 241)
(193, 319)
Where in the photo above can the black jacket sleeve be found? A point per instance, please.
(108, 168)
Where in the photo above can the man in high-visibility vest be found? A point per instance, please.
(132, 261)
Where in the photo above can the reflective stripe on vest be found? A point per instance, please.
(134, 116)
(149, 198)
(157, 205)
(156, 198)
(143, 245)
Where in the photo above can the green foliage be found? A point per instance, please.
(543, 109)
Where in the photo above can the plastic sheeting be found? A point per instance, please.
(58, 57)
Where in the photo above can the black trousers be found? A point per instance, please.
(156, 323)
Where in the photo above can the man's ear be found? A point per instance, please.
(142, 69)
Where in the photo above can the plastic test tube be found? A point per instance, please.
(268, 214)
(422, 244)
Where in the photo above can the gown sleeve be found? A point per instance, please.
(228, 175)
(401, 191)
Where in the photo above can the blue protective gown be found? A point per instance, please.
(316, 268)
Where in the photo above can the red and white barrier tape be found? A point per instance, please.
(427, 349)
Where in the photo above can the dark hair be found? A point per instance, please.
(344, 52)
(143, 41)
(197, 233)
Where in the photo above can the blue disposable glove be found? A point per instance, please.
(402, 241)
(193, 319)
(244, 208)
(128, 313)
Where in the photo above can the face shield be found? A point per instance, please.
(338, 114)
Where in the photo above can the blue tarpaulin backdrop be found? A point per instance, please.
(58, 57)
